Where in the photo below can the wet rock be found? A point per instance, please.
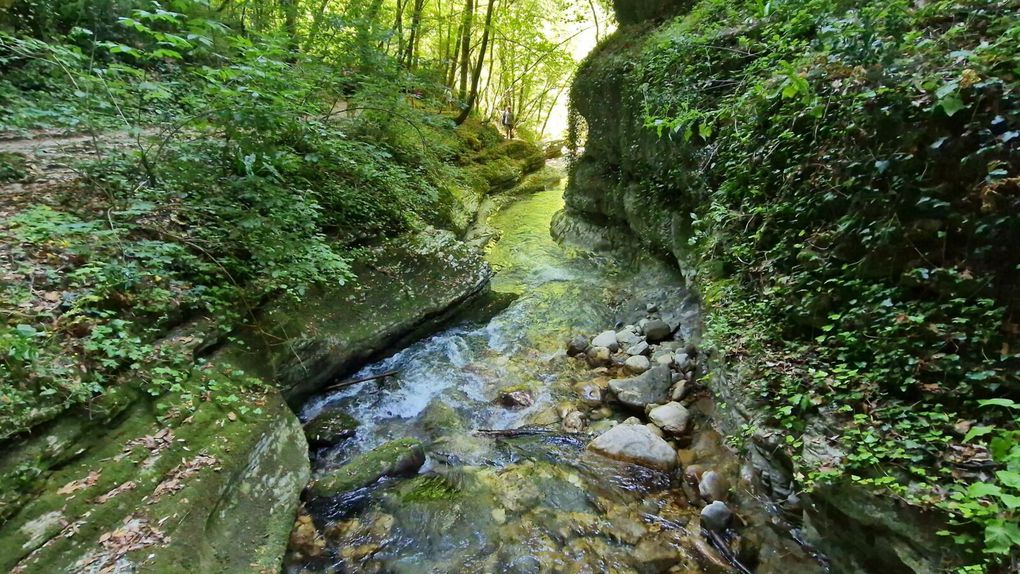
(573, 422)
(678, 391)
(656, 555)
(395, 458)
(652, 386)
(305, 538)
(606, 339)
(637, 364)
(657, 330)
(516, 398)
(716, 516)
(599, 356)
(671, 417)
(635, 444)
(632, 421)
(330, 428)
(626, 338)
(589, 393)
(713, 486)
(577, 345)
(655, 430)
(683, 362)
(651, 308)
(640, 348)
(662, 357)
(439, 418)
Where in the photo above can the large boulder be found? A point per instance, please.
(635, 444)
(652, 386)
(396, 458)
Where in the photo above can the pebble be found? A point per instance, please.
(637, 364)
(716, 516)
(639, 349)
(577, 345)
(713, 486)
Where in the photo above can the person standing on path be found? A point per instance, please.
(508, 123)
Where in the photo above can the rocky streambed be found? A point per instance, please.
(562, 428)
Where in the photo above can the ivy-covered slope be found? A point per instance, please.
(842, 180)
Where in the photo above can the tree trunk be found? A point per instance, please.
(290, 10)
(412, 42)
(465, 47)
(478, 67)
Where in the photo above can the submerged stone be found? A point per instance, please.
(395, 458)
(716, 516)
(635, 444)
(330, 428)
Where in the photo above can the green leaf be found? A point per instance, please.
(999, 403)
(976, 432)
(1009, 478)
(980, 489)
(951, 104)
(1000, 536)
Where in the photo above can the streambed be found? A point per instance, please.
(507, 502)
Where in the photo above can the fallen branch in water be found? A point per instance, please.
(351, 382)
(512, 433)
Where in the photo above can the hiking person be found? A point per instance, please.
(508, 123)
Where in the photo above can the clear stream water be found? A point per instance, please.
(525, 504)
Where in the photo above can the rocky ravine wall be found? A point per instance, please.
(628, 187)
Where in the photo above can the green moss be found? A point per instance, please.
(428, 488)
(394, 458)
(12, 167)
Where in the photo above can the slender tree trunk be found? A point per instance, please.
(412, 42)
(478, 67)
(290, 11)
(451, 74)
(398, 27)
(465, 47)
(595, 16)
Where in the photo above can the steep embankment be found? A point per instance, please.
(184, 455)
(841, 183)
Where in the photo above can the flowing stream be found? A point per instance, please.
(525, 503)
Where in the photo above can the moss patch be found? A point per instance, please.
(394, 458)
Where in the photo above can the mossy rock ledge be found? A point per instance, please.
(213, 491)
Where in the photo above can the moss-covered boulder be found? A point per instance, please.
(329, 428)
(395, 458)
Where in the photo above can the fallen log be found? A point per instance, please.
(351, 382)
